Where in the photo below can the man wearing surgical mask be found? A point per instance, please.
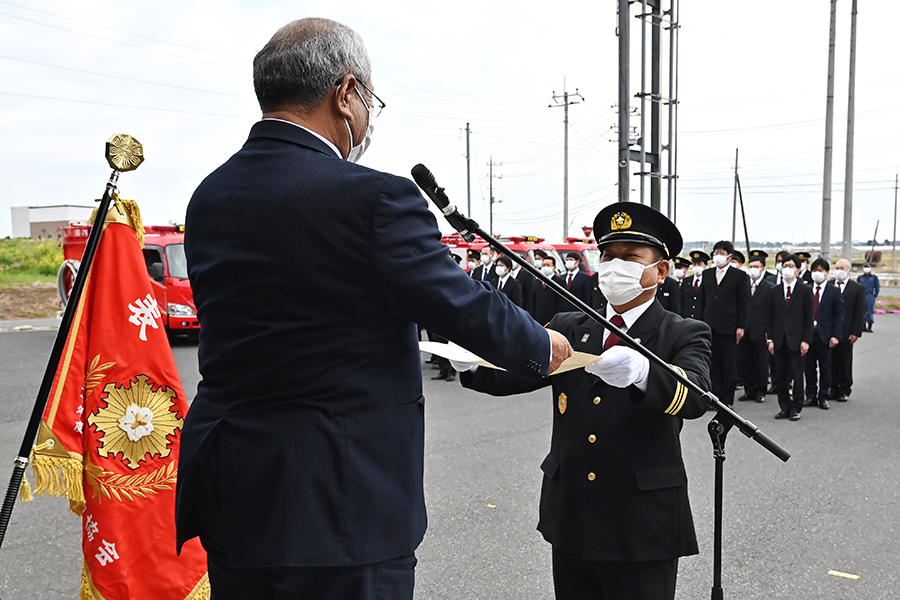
(614, 502)
(854, 313)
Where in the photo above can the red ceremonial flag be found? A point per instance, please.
(110, 433)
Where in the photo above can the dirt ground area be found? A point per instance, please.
(35, 301)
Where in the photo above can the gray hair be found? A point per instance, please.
(304, 59)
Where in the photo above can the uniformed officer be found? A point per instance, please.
(669, 291)
(737, 259)
(691, 295)
(805, 275)
(869, 280)
(614, 503)
(753, 352)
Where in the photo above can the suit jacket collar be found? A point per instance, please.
(287, 132)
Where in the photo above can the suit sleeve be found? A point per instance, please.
(839, 315)
(424, 285)
(859, 311)
(807, 312)
(743, 299)
(691, 358)
(516, 294)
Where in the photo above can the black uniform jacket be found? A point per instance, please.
(854, 310)
(793, 322)
(829, 321)
(725, 304)
(757, 311)
(513, 290)
(614, 485)
(692, 301)
(668, 294)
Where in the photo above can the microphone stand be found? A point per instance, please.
(718, 428)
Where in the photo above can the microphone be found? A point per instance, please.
(425, 180)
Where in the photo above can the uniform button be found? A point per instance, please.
(592, 438)
(597, 400)
(591, 477)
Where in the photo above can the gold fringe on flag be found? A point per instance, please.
(57, 476)
(124, 211)
(201, 591)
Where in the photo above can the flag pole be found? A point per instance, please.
(123, 153)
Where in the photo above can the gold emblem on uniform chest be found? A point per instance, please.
(619, 221)
(585, 338)
(562, 404)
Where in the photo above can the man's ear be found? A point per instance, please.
(662, 270)
(343, 96)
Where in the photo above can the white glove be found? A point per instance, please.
(462, 367)
(620, 367)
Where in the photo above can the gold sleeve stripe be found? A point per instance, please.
(680, 395)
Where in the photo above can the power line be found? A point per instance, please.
(169, 110)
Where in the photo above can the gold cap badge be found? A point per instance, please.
(620, 221)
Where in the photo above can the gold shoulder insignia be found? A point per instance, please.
(680, 396)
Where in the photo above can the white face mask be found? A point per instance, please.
(867, 269)
(679, 274)
(500, 270)
(698, 270)
(548, 271)
(620, 280)
(357, 151)
(819, 276)
(485, 259)
(841, 275)
(473, 265)
(788, 273)
(754, 273)
(778, 267)
(538, 262)
(571, 265)
(720, 260)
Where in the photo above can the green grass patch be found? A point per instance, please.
(24, 261)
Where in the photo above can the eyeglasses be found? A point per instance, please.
(379, 103)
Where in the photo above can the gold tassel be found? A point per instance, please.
(25, 494)
(57, 476)
(202, 591)
(87, 586)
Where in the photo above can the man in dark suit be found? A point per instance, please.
(506, 283)
(544, 301)
(854, 311)
(302, 455)
(790, 326)
(614, 503)
(691, 294)
(576, 281)
(669, 295)
(753, 351)
(725, 293)
(828, 323)
(486, 270)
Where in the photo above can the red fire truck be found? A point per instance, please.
(585, 246)
(522, 245)
(166, 266)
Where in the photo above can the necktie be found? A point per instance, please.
(612, 339)
(696, 284)
(720, 273)
(569, 282)
(753, 288)
(816, 303)
(787, 299)
(841, 286)
(500, 285)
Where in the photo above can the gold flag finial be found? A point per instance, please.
(123, 152)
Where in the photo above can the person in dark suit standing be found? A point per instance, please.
(805, 275)
(614, 503)
(486, 270)
(753, 351)
(828, 323)
(506, 283)
(545, 302)
(726, 294)
(790, 327)
(576, 281)
(854, 311)
(301, 464)
(669, 294)
(691, 294)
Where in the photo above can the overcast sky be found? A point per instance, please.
(177, 76)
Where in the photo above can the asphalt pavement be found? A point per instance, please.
(834, 506)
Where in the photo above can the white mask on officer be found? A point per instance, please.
(485, 259)
(500, 270)
(788, 273)
(548, 271)
(571, 265)
(819, 276)
(679, 274)
(473, 265)
(754, 273)
(620, 280)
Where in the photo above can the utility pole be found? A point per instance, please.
(825, 246)
(565, 104)
(624, 97)
(894, 239)
(468, 173)
(734, 206)
(848, 175)
(491, 166)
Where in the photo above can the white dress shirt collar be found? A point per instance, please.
(629, 316)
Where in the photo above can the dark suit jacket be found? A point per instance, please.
(725, 304)
(598, 300)
(581, 288)
(491, 274)
(792, 323)
(513, 290)
(636, 507)
(311, 394)
(691, 301)
(854, 310)
(830, 317)
(544, 301)
(669, 295)
(771, 278)
(806, 277)
(757, 311)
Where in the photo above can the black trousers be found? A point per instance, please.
(577, 579)
(841, 369)
(819, 355)
(388, 580)
(789, 372)
(723, 367)
(753, 356)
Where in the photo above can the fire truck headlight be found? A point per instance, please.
(179, 310)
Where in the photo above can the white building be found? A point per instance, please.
(43, 222)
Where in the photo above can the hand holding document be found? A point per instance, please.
(460, 358)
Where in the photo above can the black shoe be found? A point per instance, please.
(771, 390)
(842, 398)
(809, 402)
(795, 416)
(823, 404)
(451, 377)
(760, 399)
(745, 398)
(439, 376)
(783, 415)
